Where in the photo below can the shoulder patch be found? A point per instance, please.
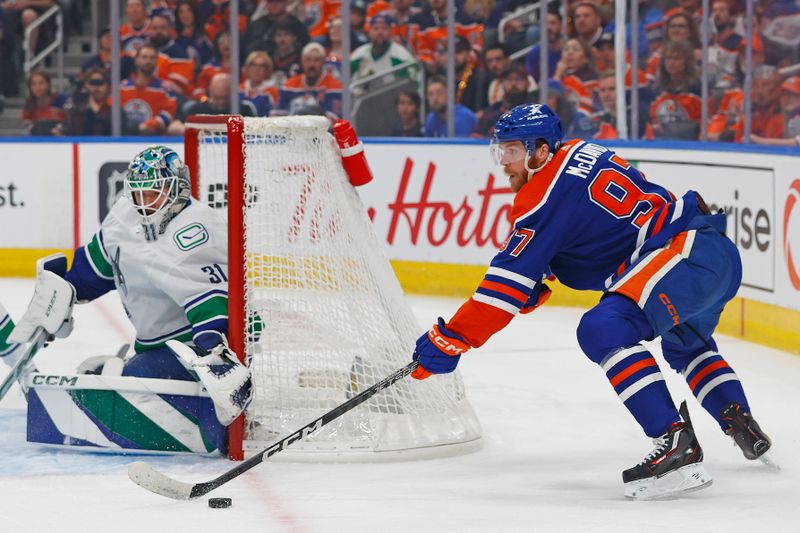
(191, 236)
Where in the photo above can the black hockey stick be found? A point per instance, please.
(148, 478)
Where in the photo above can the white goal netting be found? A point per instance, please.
(333, 314)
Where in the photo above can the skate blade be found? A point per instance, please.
(766, 458)
(688, 478)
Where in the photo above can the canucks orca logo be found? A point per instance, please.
(119, 279)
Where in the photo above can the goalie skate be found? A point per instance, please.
(674, 467)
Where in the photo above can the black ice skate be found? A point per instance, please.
(673, 467)
(746, 433)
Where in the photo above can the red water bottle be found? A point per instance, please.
(353, 159)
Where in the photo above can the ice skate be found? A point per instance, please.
(747, 434)
(675, 465)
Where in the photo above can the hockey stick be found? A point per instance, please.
(18, 370)
(148, 478)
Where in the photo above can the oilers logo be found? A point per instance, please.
(137, 110)
(670, 111)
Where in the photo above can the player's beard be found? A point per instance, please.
(517, 179)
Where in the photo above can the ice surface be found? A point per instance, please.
(556, 440)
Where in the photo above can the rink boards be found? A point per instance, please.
(441, 209)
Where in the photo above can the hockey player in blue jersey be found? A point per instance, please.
(666, 269)
(166, 256)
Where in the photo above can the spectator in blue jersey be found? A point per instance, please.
(313, 85)
(586, 216)
(555, 42)
(190, 32)
(436, 122)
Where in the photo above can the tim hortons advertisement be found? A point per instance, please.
(36, 203)
(427, 207)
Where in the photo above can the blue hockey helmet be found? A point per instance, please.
(528, 123)
(157, 184)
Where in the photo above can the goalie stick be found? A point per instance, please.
(20, 368)
(148, 478)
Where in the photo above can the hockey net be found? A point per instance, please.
(307, 269)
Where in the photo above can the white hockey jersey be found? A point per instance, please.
(175, 287)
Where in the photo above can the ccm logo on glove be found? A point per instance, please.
(438, 351)
(448, 345)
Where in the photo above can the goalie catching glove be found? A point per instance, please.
(51, 305)
(225, 378)
(438, 351)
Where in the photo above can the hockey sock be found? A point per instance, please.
(637, 380)
(714, 384)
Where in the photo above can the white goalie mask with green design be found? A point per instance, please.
(157, 184)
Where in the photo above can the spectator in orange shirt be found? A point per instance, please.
(727, 124)
(148, 106)
(767, 120)
(44, 109)
(790, 103)
(675, 112)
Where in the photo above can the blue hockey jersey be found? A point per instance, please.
(585, 217)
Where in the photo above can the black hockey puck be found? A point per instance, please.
(219, 503)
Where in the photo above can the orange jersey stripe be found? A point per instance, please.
(533, 193)
(631, 370)
(634, 287)
(706, 371)
(477, 321)
(505, 289)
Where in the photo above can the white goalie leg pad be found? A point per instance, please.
(225, 378)
(50, 308)
(671, 485)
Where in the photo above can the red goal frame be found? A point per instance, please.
(233, 125)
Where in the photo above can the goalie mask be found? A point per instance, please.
(157, 185)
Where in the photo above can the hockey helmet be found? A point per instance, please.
(526, 123)
(157, 184)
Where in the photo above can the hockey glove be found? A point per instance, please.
(438, 351)
(225, 378)
(52, 302)
(541, 293)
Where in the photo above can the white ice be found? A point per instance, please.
(556, 440)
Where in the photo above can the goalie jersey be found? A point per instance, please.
(175, 287)
(586, 217)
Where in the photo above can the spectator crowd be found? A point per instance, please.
(176, 61)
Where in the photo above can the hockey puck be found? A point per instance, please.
(219, 503)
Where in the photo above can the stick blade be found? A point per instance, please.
(148, 478)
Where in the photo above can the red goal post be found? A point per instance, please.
(233, 126)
